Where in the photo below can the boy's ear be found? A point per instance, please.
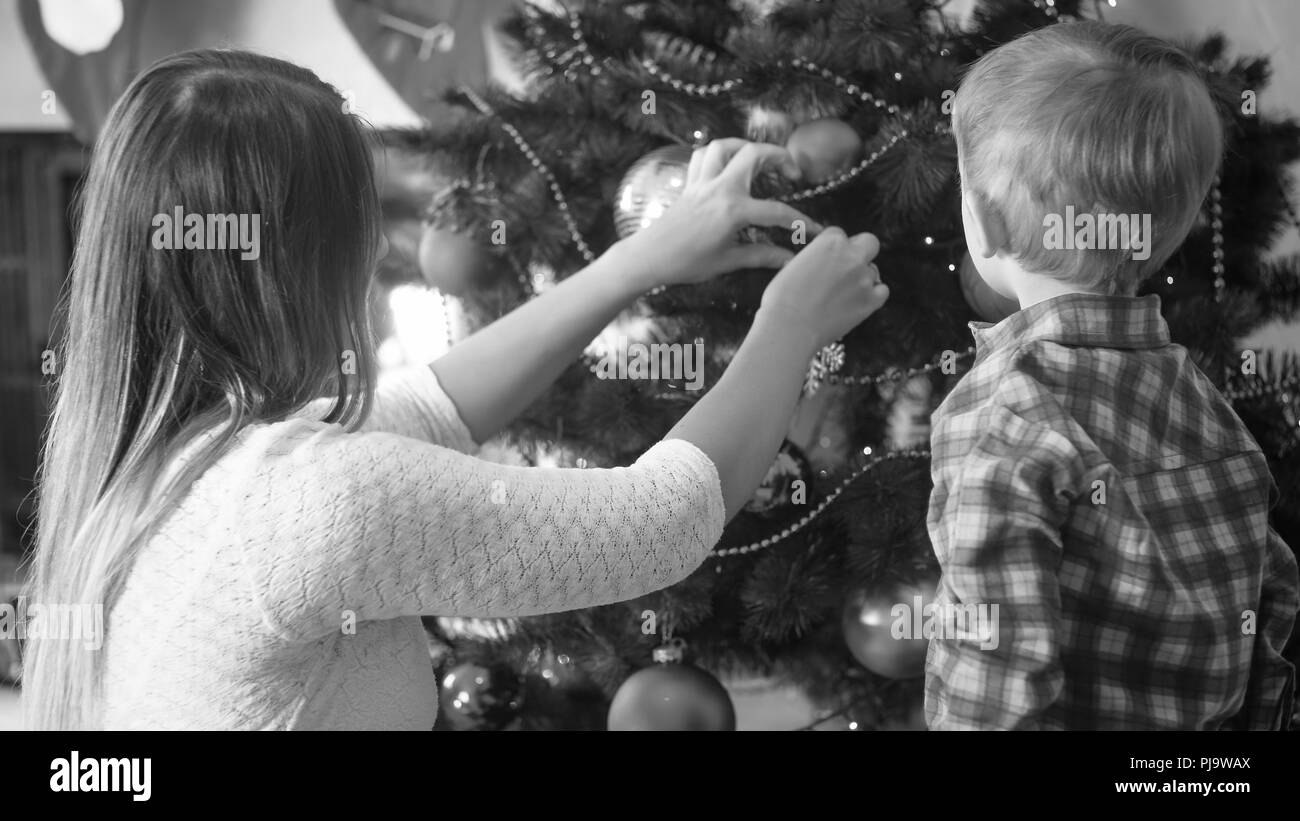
(990, 230)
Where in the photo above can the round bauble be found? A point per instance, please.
(824, 149)
(649, 187)
(451, 261)
(987, 303)
(474, 697)
(788, 481)
(884, 640)
(671, 695)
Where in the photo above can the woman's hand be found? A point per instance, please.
(828, 288)
(697, 237)
(824, 291)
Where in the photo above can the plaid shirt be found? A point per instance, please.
(1096, 487)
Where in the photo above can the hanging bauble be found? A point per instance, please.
(885, 640)
(671, 695)
(653, 183)
(987, 303)
(824, 148)
(475, 697)
(787, 482)
(451, 261)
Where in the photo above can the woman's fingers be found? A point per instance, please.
(697, 163)
(865, 244)
(740, 170)
(878, 297)
(759, 255)
(717, 154)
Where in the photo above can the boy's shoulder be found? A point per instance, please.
(1011, 381)
(1141, 407)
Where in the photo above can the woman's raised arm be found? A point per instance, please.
(497, 372)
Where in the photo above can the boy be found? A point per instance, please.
(1088, 479)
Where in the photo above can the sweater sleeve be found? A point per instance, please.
(370, 526)
(409, 401)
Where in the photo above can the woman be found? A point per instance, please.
(262, 555)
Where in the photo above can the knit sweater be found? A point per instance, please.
(284, 590)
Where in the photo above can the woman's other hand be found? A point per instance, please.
(698, 237)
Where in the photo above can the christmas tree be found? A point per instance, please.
(800, 589)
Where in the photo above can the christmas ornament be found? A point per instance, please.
(653, 183)
(884, 627)
(987, 303)
(824, 148)
(450, 260)
(671, 695)
(779, 487)
(829, 360)
(474, 697)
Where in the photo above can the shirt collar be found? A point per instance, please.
(1092, 320)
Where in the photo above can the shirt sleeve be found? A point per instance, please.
(999, 546)
(376, 526)
(1270, 692)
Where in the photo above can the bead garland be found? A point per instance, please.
(556, 192)
(1259, 390)
(575, 234)
(798, 63)
(852, 89)
(895, 375)
(1253, 392)
(578, 54)
(694, 89)
(808, 518)
(846, 177)
(1216, 240)
(704, 91)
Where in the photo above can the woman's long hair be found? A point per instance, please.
(163, 350)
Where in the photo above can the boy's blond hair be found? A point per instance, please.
(1095, 116)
